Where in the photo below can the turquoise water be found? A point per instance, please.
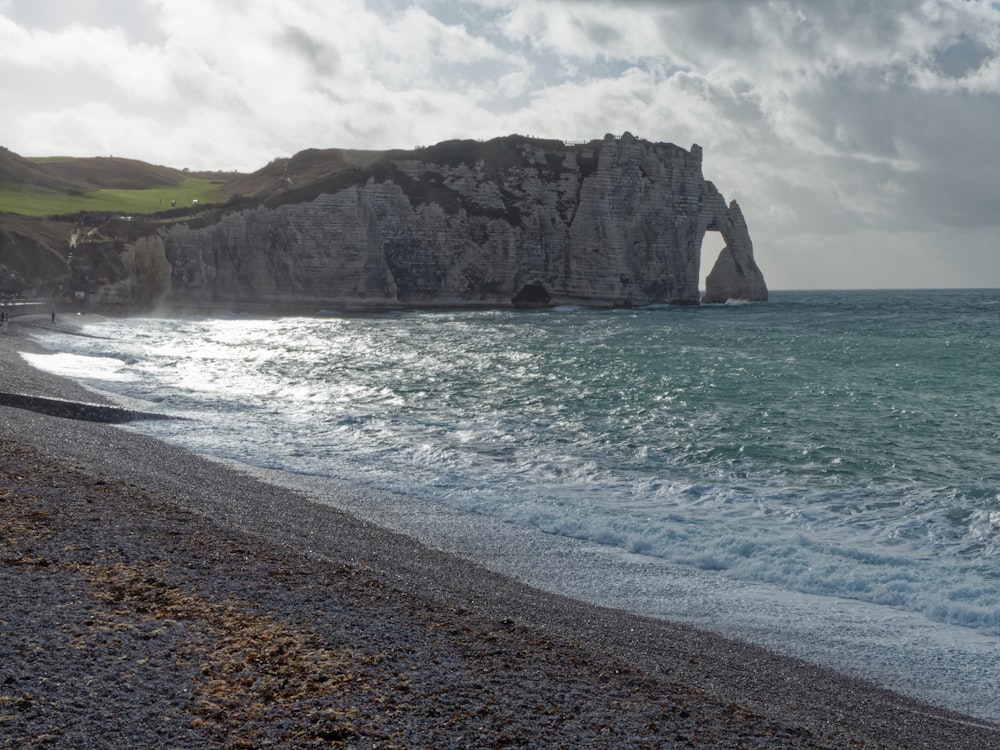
(816, 473)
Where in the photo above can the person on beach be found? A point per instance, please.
(53, 316)
(6, 315)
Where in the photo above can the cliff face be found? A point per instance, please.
(144, 279)
(32, 255)
(512, 221)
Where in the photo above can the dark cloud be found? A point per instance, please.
(964, 56)
(320, 56)
(601, 34)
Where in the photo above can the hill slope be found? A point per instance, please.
(15, 170)
(105, 172)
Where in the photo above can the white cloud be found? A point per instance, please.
(827, 119)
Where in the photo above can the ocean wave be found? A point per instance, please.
(826, 447)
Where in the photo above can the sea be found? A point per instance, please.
(818, 473)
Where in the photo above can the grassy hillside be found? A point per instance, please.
(16, 170)
(33, 201)
(42, 199)
(61, 185)
(109, 172)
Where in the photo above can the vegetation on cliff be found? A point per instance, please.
(58, 186)
(617, 221)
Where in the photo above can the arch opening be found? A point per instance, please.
(532, 295)
(711, 245)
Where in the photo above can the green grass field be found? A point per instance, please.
(36, 202)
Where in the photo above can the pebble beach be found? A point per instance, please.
(151, 598)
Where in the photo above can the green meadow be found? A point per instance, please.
(28, 201)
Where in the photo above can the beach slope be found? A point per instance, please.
(152, 598)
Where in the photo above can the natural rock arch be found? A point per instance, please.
(712, 244)
(735, 274)
(511, 222)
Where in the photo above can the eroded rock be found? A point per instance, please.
(613, 222)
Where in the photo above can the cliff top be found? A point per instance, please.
(40, 186)
(76, 174)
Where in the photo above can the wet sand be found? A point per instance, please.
(150, 597)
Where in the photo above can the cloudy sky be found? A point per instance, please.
(861, 138)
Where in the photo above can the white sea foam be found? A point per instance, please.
(803, 473)
(99, 369)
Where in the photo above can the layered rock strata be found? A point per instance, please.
(508, 222)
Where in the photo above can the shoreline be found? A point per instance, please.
(654, 683)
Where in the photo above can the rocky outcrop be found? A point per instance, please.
(32, 255)
(735, 275)
(507, 222)
(144, 280)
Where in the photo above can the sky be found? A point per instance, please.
(861, 139)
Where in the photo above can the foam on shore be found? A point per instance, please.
(729, 671)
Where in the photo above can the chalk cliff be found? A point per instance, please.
(511, 221)
(145, 280)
